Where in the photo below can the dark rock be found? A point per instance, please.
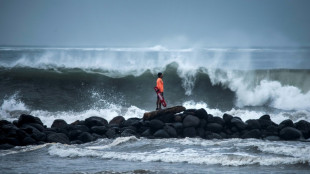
(253, 124)
(10, 130)
(304, 127)
(13, 141)
(191, 121)
(189, 132)
(156, 124)
(227, 118)
(6, 146)
(85, 137)
(4, 122)
(167, 118)
(178, 118)
(146, 133)
(118, 120)
(202, 123)
(212, 135)
(290, 133)
(223, 135)
(25, 119)
(264, 123)
(265, 117)
(286, 123)
(111, 133)
(132, 122)
(255, 133)
(161, 134)
(201, 113)
(34, 133)
(272, 138)
(58, 138)
(171, 131)
(270, 131)
(101, 130)
(238, 123)
(59, 123)
(128, 133)
(95, 121)
(28, 141)
(217, 120)
(214, 127)
(73, 135)
(201, 132)
(234, 129)
(76, 142)
(82, 128)
(21, 134)
(37, 126)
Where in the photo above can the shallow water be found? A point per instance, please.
(132, 155)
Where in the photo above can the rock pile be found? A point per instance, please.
(176, 122)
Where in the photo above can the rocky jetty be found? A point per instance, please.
(175, 122)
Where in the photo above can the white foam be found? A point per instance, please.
(116, 142)
(12, 107)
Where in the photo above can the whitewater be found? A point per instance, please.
(76, 83)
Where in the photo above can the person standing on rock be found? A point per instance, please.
(160, 86)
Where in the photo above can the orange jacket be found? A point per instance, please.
(160, 84)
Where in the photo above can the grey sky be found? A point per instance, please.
(172, 23)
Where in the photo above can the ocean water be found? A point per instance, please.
(76, 83)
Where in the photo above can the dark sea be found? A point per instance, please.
(76, 83)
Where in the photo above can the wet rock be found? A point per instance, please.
(59, 123)
(132, 122)
(128, 133)
(201, 132)
(227, 118)
(272, 138)
(76, 142)
(171, 131)
(214, 127)
(161, 134)
(146, 133)
(111, 133)
(25, 119)
(101, 130)
(58, 138)
(117, 120)
(167, 118)
(304, 127)
(82, 128)
(6, 146)
(28, 141)
(85, 137)
(290, 133)
(191, 121)
(286, 123)
(255, 133)
(253, 124)
(212, 135)
(33, 132)
(95, 121)
(178, 118)
(13, 141)
(189, 132)
(37, 126)
(270, 131)
(73, 135)
(201, 113)
(217, 120)
(156, 124)
(265, 117)
(238, 123)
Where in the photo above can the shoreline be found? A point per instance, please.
(174, 122)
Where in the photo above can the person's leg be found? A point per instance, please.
(162, 94)
(157, 103)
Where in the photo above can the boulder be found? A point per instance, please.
(272, 138)
(253, 124)
(189, 132)
(227, 118)
(132, 122)
(73, 135)
(201, 132)
(37, 126)
(146, 133)
(265, 117)
(118, 120)
(101, 130)
(28, 141)
(58, 138)
(95, 121)
(286, 123)
(171, 131)
(214, 127)
(6, 146)
(255, 133)
(13, 141)
(33, 132)
(156, 124)
(212, 135)
(161, 134)
(25, 119)
(201, 113)
(82, 128)
(289, 133)
(111, 133)
(128, 133)
(304, 127)
(85, 137)
(191, 121)
(238, 123)
(59, 123)
(167, 118)
(76, 142)
(217, 120)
